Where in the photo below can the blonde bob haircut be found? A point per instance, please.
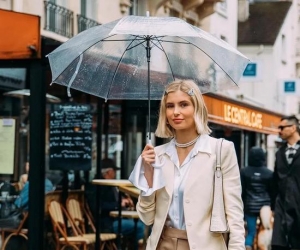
(163, 129)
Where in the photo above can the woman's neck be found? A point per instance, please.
(185, 137)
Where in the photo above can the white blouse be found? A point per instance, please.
(176, 213)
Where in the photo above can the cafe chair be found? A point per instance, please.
(9, 233)
(58, 214)
(78, 212)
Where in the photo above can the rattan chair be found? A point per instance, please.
(78, 214)
(60, 218)
(8, 233)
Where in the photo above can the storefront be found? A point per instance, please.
(124, 125)
(244, 124)
(20, 50)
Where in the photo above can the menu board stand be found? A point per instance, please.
(70, 139)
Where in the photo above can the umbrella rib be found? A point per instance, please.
(135, 45)
(118, 68)
(53, 80)
(122, 40)
(211, 59)
(163, 50)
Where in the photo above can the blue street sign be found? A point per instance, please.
(251, 70)
(289, 86)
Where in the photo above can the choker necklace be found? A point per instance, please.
(185, 145)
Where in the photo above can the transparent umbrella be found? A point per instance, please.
(135, 57)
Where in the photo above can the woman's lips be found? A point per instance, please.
(177, 120)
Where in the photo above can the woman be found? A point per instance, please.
(176, 178)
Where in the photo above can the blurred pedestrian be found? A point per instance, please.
(256, 190)
(23, 198)
(286, 231)
(177, 178)
(24, 177)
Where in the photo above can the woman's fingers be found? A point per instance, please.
(148, 154)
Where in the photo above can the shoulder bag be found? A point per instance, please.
(218, 222)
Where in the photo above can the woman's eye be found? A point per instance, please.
(169, 106)
(183, 104)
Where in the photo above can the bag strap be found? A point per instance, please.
(218, 219)
(218, 156)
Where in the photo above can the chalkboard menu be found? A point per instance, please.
(70, 137)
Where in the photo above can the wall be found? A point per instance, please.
(224, 22)
(265, 90)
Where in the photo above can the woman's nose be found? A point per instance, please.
(176, 111)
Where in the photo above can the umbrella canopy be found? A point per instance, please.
(26, 92)
(110, 60)
(135, 57)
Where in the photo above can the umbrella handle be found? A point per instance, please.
(149, 141)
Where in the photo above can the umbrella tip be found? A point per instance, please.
(147, 13)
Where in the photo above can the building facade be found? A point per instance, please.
(124, 122)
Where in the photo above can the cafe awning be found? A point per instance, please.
(20, 35)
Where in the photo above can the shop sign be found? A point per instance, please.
(290, 86)
(242, 116)
(250, 70)
(20, 35)
(253, 72)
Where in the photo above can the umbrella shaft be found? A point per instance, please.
(148, 60)
(148, 48)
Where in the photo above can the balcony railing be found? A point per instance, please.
(59, 19)
(84, 23)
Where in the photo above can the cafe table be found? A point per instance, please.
(135, 192)
(118, 184)
(131, 190)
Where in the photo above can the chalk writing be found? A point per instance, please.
(70, 137)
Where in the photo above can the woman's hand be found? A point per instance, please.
(148, 156)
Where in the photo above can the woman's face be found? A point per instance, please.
(180, 111)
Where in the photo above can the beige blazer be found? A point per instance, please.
(198, 200)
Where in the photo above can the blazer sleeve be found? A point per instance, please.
(146, 207)
(232, 196)
(243, 182)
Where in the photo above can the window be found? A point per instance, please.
(283, 49)
(133, 10)
(83, 7)
(222, 8)
(223, 38)
(223, 5)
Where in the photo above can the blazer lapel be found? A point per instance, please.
(296, 156)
